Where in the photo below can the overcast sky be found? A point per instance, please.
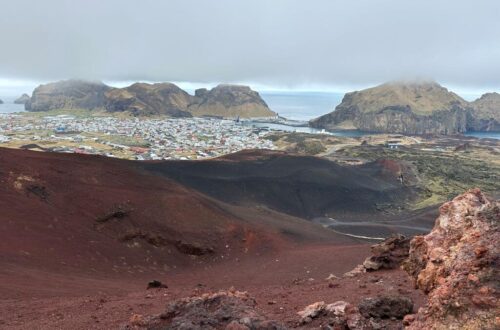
(311, 44)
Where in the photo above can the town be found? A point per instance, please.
(130, 137)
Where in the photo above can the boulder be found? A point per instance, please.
(386, 307)
(388, 254)
(68, 94)
(229, 101)
(23, 99)
(155, 284)
(356, 271)
(456, 264)
(312, 311)
(221, 310)
(399, 107)
(336, 312)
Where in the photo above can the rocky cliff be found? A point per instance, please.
(399, 107)
(149, 99)
(485, 113)
(457, 265)
(68, 94)
(23, 99)
(1, 102)
(229, 101)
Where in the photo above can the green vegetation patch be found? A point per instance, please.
(131, 141)
(443, 175)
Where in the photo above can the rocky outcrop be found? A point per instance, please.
(68, 94)
(399, 107)
(386, 307)
(221, 310)
(1, 102)
(457, 264)
(229, 101)
(379, 312)
(485, 113)
(149, 99)
(23, 99)
(388, 254)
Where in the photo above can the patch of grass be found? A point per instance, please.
(443, 175)
(130, 141)
(310, 147)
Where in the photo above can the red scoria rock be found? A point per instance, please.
(388, 254)
(457, 264)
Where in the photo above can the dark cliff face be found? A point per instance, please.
(403, 120)
(149, 99)
(68, 94)
(229, 101)
(411, 108)
(1, 102)
(484, 114)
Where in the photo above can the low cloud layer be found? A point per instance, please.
(283, 43)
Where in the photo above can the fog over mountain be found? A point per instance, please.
(285, 44)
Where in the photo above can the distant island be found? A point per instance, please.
(412, 108)
(149, 99)
(22, 99)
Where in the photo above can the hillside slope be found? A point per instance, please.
(67, 94)
(149, 99)
(399, 107)
(144, 99)
(89, 216)
(301, 186)
(229, 101)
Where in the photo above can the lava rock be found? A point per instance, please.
(456, 264)
(221, 310)
(386, 307)
(388, 254)
(156, 284)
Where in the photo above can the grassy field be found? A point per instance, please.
(443, 175)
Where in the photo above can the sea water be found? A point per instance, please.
(9, 106)
(301, 105)
(484, 135)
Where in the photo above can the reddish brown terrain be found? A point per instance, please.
(81, 237)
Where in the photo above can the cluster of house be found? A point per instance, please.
(137, 138)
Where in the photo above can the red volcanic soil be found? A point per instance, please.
(80, 237)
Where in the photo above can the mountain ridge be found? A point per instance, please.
(149, 99)
(406, 107)
(399, 107)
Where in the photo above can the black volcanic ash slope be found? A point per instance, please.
(301, 186)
